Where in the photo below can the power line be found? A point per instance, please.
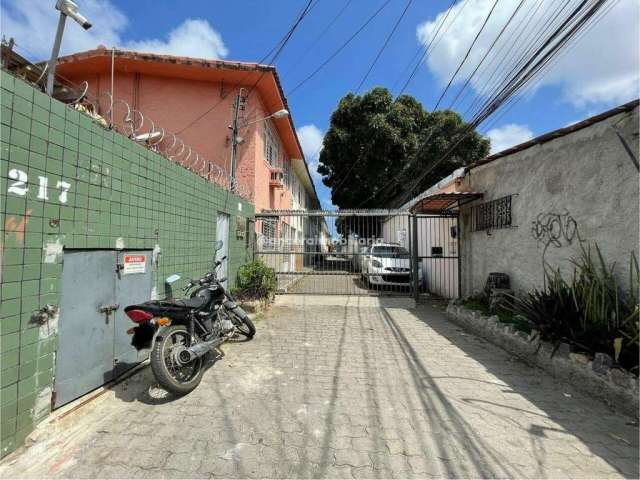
(511, 42)
(315, 41)
(514, 100)
(486, 54)
(551, 46)
(277, 48)
(532, 39)
(339, 49)
(431, 42)
(395, 27)
(464, 59)
(525, 76)
(384, 45)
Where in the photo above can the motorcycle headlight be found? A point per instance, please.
(376, 263)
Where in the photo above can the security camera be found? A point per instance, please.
(70, 9)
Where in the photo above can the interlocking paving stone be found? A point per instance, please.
(328, 391)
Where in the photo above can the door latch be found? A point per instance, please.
(108, 308)
(119, 269)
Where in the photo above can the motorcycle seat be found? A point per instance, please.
(193, 302)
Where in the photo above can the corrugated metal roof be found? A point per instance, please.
(439, 202)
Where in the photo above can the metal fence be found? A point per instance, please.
(363, 252)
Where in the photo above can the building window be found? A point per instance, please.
(269, 230)
(287, 171)
(491, 215)
(271, 145)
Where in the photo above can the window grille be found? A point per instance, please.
(492, 215)
(271, 148)
(269, 233)
(287, 172)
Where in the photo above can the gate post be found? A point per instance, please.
(459, 259)
(414, 255)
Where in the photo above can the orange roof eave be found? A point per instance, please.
(253, 75)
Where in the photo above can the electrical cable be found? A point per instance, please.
(338, 50)
(384, 45)
(486, 54)
(546, 52)
(501, 97)
(466, 56)
(431, 42)
(315, 41)
(278, 47)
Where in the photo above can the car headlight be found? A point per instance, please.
(376, 263)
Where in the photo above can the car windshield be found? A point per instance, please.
(390, 251)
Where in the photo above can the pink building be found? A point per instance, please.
(193, 98)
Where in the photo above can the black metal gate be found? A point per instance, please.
(360, 252)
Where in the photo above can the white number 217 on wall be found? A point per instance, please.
(19, 186)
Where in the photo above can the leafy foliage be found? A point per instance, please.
(256, 280)
(389, 137)
(481, 304)
(590, 311)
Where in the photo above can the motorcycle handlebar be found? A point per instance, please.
(204, 280)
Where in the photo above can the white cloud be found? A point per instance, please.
(193, 38)
(508, 136)
(33, 24)
(602, 67)
(310, 138)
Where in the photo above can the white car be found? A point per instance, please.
(388, 264)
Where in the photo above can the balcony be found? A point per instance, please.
(277, 178)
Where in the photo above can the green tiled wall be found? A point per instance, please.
(120, 195)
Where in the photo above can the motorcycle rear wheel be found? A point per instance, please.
(175, 378)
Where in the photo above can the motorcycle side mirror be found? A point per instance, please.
(218, 245)
(172, 279)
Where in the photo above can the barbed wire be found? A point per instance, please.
(118, 115)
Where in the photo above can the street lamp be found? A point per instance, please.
(279, 114)
(235, 128)
(67, 8)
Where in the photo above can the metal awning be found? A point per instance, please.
(441, 202)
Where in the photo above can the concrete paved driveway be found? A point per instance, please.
(336, 391)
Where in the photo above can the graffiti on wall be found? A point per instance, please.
(556, 230)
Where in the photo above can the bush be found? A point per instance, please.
(481, 304)
(590, 312)
(256, 280)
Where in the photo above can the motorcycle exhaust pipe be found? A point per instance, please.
(198, 350)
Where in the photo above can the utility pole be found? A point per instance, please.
(238, 104)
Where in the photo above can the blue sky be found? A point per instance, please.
(599, 72)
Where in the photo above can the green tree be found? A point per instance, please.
(373, 138)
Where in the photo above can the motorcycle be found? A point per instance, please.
(182, 333)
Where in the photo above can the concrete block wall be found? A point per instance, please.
(585, 177)
(66, 182)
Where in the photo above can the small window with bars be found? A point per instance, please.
(492, 215)
(271, 145)
(269, 232)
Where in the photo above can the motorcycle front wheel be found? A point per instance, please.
(244, 325)
(173, 377)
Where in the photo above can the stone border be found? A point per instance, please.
(595, 377)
